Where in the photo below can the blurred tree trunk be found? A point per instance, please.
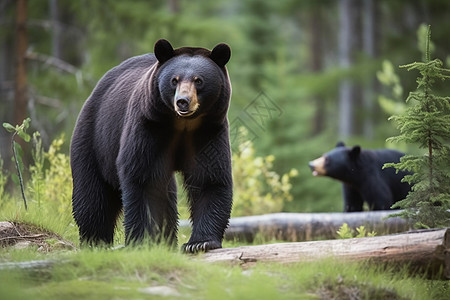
(358, 88)
(174, 6)
(21, 97)
(346, 41)
(6, 80)
(56, 28)
(3, 56)
(6, 66)
(369, 14)
(315, 23)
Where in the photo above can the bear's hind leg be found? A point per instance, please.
(170, 222)
(96, 207)
(379, 196)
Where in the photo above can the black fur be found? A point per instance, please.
(363, 177)
(128, 142)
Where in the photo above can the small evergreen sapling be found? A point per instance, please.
(426, 122)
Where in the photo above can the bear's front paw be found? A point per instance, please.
(194, 247)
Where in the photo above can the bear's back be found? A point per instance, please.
(383, 156)
(115, 87)
(124, 77)
(390, 175)
(101, 119)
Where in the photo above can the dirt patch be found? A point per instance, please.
(21, 235)
(354, 291)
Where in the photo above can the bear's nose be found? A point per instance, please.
(183, 103)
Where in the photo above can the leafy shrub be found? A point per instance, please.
(53, 183)
(345, 232)
(257, 188)
(48, 189)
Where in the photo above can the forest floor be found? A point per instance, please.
(158, 272)
(22, 235)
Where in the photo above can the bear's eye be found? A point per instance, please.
(198, 81)
(174, 81)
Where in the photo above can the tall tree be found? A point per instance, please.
(56, 28)
(174, 6)
(315, 30)
(346, 42)
(368, 37)
(6, 72)
(426, 123)
(21, 97)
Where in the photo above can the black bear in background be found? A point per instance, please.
(363, 177)
(150, 116)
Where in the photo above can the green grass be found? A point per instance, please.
(129, 273)
(126, 272)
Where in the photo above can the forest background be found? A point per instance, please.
(305, 74)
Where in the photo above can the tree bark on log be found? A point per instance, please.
(426, 251)
(297, 227)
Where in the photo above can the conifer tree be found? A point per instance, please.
(426, 123)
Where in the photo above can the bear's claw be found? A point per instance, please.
(196, 247)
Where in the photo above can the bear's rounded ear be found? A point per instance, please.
(340, 144)
(356, 150)
(163, 50)
(221, 54)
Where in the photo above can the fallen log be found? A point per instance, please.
(426, 250)
(29, 265)
(296, 227)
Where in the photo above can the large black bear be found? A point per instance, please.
(363, 176)
(150, 116)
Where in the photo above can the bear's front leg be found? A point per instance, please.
(210, 214)
(210, 193)
(149, 212)
(353, 201)
(148, 186)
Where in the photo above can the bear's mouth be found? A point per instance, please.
(185, 113)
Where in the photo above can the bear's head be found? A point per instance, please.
(193, 82)
(340, 163)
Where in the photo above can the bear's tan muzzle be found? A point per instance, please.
(185, 100)
(318, 166)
